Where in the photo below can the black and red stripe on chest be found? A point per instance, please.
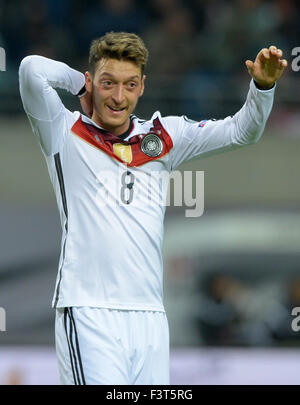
(138, 150)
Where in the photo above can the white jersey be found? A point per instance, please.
(111, 253)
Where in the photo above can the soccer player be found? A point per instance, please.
(111, 326)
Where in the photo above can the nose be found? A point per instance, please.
(118, 94)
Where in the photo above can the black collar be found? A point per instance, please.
(130, 128)
(125, 134)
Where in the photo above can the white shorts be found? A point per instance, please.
(102, 346)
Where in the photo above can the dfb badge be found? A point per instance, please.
(152, 145)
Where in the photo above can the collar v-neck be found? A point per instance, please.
(104, 131)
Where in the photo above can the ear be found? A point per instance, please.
(88, 82)
(143, 85)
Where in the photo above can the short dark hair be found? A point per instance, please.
(118, 45)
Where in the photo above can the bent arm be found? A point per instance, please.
(245, 127)
(38, 76)
(215, 136)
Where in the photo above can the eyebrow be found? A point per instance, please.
(112, 76)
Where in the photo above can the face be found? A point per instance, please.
(115, 87)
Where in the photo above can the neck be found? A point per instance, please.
(115, 130)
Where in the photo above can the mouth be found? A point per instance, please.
(116, 110)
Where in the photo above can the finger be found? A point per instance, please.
(263, 54)
(249, 65)
(275, 52)
(283, 63)
(266, 53)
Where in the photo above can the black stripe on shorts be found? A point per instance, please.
(77, 346)
(74, 350)
(69, 346)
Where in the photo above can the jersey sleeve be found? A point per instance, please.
(38, 76)
(209, 137)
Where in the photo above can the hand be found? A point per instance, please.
(86, 102)
(267, 67)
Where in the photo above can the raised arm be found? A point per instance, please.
(211, 137)
(38, 76)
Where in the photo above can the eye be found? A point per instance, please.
(106, 83)
(132, 85)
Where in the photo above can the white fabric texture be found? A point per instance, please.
(99, 346)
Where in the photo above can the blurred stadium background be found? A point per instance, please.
(231, 276)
